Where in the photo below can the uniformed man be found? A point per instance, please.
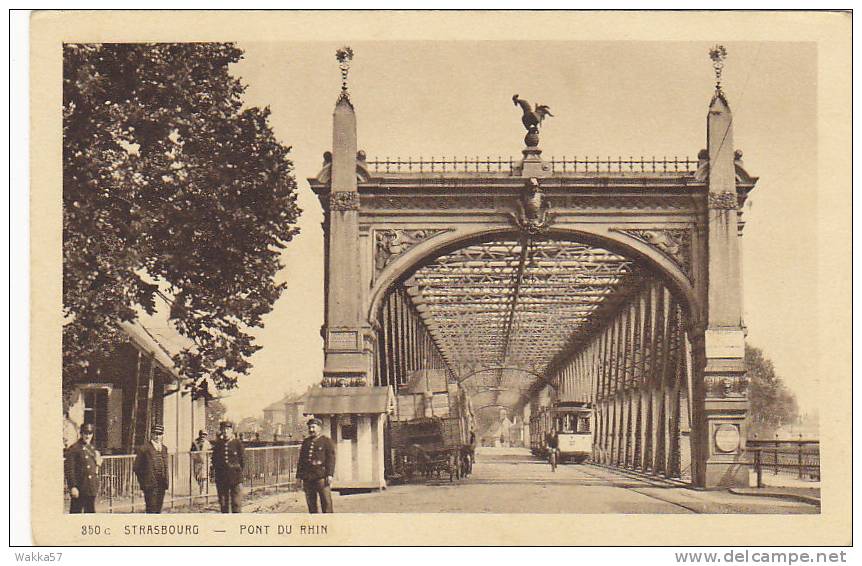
(151, 468)
(82, 472)
(316, 467)
(228, 459)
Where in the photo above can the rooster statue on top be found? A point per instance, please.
(532, 117)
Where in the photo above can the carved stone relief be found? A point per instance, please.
(722, 387)
(725, 200)
(672, 242)
(358, 381)
(344, 200)
(389, 243)
(532, 216)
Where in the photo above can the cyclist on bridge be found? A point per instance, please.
(551, 442)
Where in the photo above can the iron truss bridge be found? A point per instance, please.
(500, 311)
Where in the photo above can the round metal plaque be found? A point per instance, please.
(727, 438)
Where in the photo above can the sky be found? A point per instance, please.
(616, 98)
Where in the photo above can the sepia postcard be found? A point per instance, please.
(440, 278)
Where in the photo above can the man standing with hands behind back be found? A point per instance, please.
(228, 462)
(151, 467)
(316, 467)
(82, 472)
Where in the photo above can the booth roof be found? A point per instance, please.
(348, 400)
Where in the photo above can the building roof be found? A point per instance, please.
(145, 340)
(295, 398)
(348, 400)
(277, 406)
(288, 398)
(156, 335)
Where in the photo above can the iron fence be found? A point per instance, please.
(442, 165)
(621, 165)
(191, 478)
(800, 458)
(508, 164)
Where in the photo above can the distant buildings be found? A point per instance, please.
(294, 426)
(275, 416)
(504, 431)
(249, 429)
(282, 421)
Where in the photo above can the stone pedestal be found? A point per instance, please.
(532, 164)
(726, 431)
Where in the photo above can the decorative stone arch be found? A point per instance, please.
(680, 219)
(606, 237)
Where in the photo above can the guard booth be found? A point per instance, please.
(355, 419)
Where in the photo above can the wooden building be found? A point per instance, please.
(127, 391)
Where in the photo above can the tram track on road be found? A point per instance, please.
(592, 477)
(587, 471)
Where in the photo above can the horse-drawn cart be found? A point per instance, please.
(431, 434)
(427, 448)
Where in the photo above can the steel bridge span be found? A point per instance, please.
(614, 282)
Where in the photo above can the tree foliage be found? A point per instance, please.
(170, 187)
(772, 403)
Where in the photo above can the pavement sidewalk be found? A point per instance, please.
(810, 495)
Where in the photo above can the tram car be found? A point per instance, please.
(572, 424)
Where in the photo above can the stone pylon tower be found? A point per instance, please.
(345, 355)
(720, 428)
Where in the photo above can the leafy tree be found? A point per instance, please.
(772, 403)
(172, 188)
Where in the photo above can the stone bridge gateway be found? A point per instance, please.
(530, 281)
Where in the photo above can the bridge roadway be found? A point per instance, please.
(511, 480)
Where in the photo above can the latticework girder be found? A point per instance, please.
(511, 303)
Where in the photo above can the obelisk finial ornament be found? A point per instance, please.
(718, 54)
(344, 56)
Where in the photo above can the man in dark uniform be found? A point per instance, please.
(316, 467)
(228, 459)
(151, 467)
(82, 472)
